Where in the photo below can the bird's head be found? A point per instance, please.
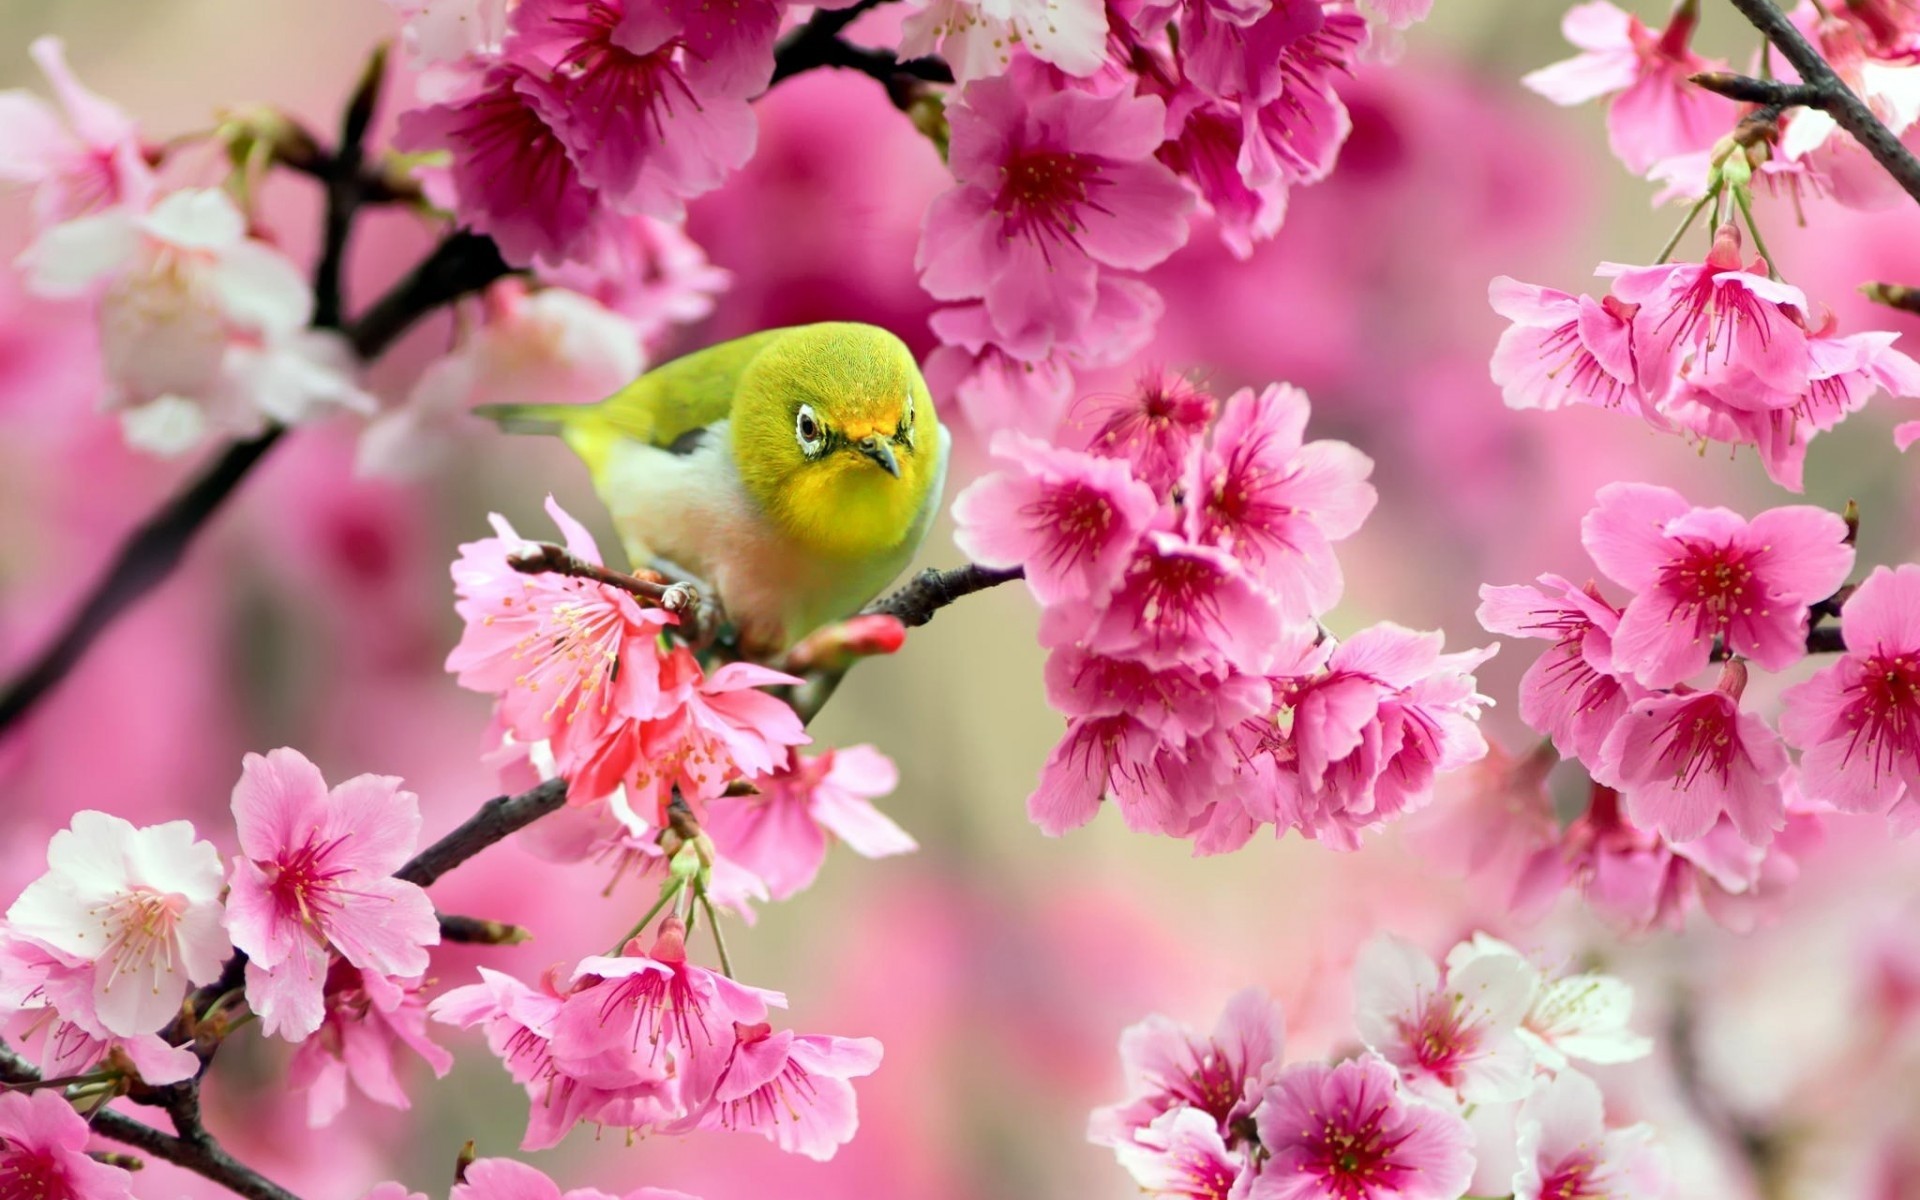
(836, 438)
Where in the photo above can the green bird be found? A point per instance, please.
(795, 470)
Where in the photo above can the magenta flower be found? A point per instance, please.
(1570, 693)
(1452, 1039)
(654, 1016)
(43, 1152)
(791, 1089)
(1156, 427)
(510, 1179)
(1568, 1153)
(369, 1017)
(1178, 603)
(1051, 186)
(1565, 349)
(1681, 760)
(1157, 788)
(1658, 112)
(1183, 1155)
(1346, 1132)
(780, 833)
(91, 161)
(510, 175)
(1205, 142)
(1857, 723)
(1707, 574)
(563, 654)
(1170, 1068)
(56, 992)
(649, 99)
(142, 906)
(1071, 519)
(315, 874)
(1697, 319)
(1275, 504)
(1179, 703)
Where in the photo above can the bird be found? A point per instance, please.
(795, 471)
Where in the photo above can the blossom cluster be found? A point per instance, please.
(1182, 564)
(98, 954)
(591, 691)
(1466, 1086)
(1691, 786)
(648, 1042)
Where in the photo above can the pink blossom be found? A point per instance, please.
(1570, 693)
(646, 270)
(706, 731)
(43, 1152)
(141, 905)
(1707, 574)
(1905, 435)
(1206, 142)
(1170, 1068)
(1857, 723)
(654, 1016)
(1178, 703)
(992, 388)
(510, 1179)
(1568, 1153)
(1275, 504)
(368, 1018)
(1267, 54)
(1702, 321)
(780, 833)
(54, 992)
(563, 654)
(1113, 753)
(1456, 1038)
(978, 38)
(1490, 821)
(1178, 603)
(1680, 760)
(202, 327)
(1564, 349)
(436, 31)
(92, 160)
(1072, 520)
(1050, 186)
(315, 874)
(1658, 112)
(1182, 1154)
(791, 1089)
(1572, 1016)
(1156, 427)
(510, 176)
(1346, 1132)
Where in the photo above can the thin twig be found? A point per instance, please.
(1893, 295)
(932, 590)
(1826, 639)
(497, 818)
(1820, 88)
(481, 932)
(818, 44)
(342, 183)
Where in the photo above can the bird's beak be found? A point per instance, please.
(877, 449)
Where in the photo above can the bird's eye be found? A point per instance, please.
(807, 430)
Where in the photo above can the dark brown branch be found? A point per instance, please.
(1893, 295)
(1826, 639)
(932, 590)
(497, 818)
(698, 617)
(195, 1151)
(480, 932)
(818, 44)
(1820, 88)
(342, 182)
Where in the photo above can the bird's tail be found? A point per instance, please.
(550, 419)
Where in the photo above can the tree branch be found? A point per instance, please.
(196, 1152)
(1893, 295)
(932, 590)
(497, 818)
(342, 182)
(818, 44)
(1820, 88)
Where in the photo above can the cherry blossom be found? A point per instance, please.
(315, 874)
(1452, 1037)
(142, 906)
(1582, 1015)
(1571, 692)
(790, 1088)
(1657, 113)
(1564, 349)
(508, 1179)
(780, 833)
(43, 1152)
(1183, 1155)
(90, 161)
(1568, 1153)
(367, 1019)
(1857, 722)
(978, 38)
(1707, 574)
(1170, 1068)
(1347, 1132)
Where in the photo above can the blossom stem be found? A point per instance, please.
(1741, 198)
(668, 892)
(1823, 89)
(1693, 214)
(719, 939)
